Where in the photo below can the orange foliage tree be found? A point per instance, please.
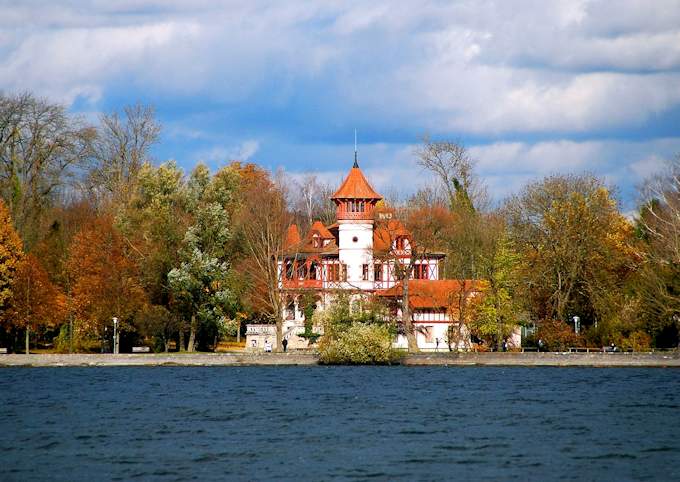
(10, 253)
(37, 303)
(106, 280)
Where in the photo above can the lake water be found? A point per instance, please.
(323, 423)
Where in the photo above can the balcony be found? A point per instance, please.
(302, 283)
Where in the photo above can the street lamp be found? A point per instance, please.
(577, 324)
(115, 335)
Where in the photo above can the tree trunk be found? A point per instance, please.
(166, 345)
(28, 331)
(238, 332)
(192, 334)
(182, 348)
(279, 332)
(406, 318)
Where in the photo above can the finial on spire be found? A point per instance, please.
(356, 161)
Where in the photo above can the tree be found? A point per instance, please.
(263, 221)
(201, 282)
(658, 283)
(36, 302)
(11, 253)
(496, 314)
(42, 149)
(575, 246)
(121, 148)
(452, 165)
(105, 280)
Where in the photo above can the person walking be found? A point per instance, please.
(285, 344)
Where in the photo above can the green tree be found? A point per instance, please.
(201, 282)
(496, 314)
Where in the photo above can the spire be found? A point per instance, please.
(356, 161)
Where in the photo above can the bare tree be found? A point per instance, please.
(264, 220)
(41, 149)
(451, 163)
(659, 222)
(122, 146)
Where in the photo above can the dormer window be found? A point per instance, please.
(316, 242)
(400, 243)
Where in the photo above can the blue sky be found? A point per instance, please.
(531, 87)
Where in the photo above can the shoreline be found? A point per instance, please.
(556, 359)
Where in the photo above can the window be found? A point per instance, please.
(364, 272)
(316, 242)
(289, 269)
(400, 242)
(378, 272)
(420, 271)
(337, 272)
(333, 272)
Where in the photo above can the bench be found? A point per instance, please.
(141, 349)
(3, 351)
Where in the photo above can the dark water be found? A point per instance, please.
(320, 423)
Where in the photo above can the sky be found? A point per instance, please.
(532, 88)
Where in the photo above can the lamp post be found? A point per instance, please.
(577, 324)
(115, 335)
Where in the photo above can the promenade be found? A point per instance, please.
(663, 359)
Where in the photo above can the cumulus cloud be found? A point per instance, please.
(469, 66)
(297, 73)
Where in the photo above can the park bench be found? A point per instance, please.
(141, 349)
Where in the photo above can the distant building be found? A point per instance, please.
(361, 255)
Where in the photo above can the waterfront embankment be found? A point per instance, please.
(660, 359)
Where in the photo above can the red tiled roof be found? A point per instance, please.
(434, 293)
(292, 236)
(386, 232)
(321, 229)
(356, 186)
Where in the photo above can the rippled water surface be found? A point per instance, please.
(320, 423)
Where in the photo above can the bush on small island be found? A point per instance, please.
(356, 333)
(360, 344)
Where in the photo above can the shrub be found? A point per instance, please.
(557, 335)
(359, 344)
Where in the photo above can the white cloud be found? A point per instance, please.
(469, 66)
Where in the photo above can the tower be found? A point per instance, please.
(355, 201)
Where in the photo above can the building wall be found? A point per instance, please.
(356, 253)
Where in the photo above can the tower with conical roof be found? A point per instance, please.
(355, 201)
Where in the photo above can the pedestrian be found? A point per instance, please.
(540, 344)
(267, 346)
(285, 344)
(436, 341)
(505, 345)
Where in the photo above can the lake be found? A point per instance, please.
(339, 423)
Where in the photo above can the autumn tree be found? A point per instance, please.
(263, 220)
(575, 247)
(36, 302)
(11, 253)
(106, 280)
